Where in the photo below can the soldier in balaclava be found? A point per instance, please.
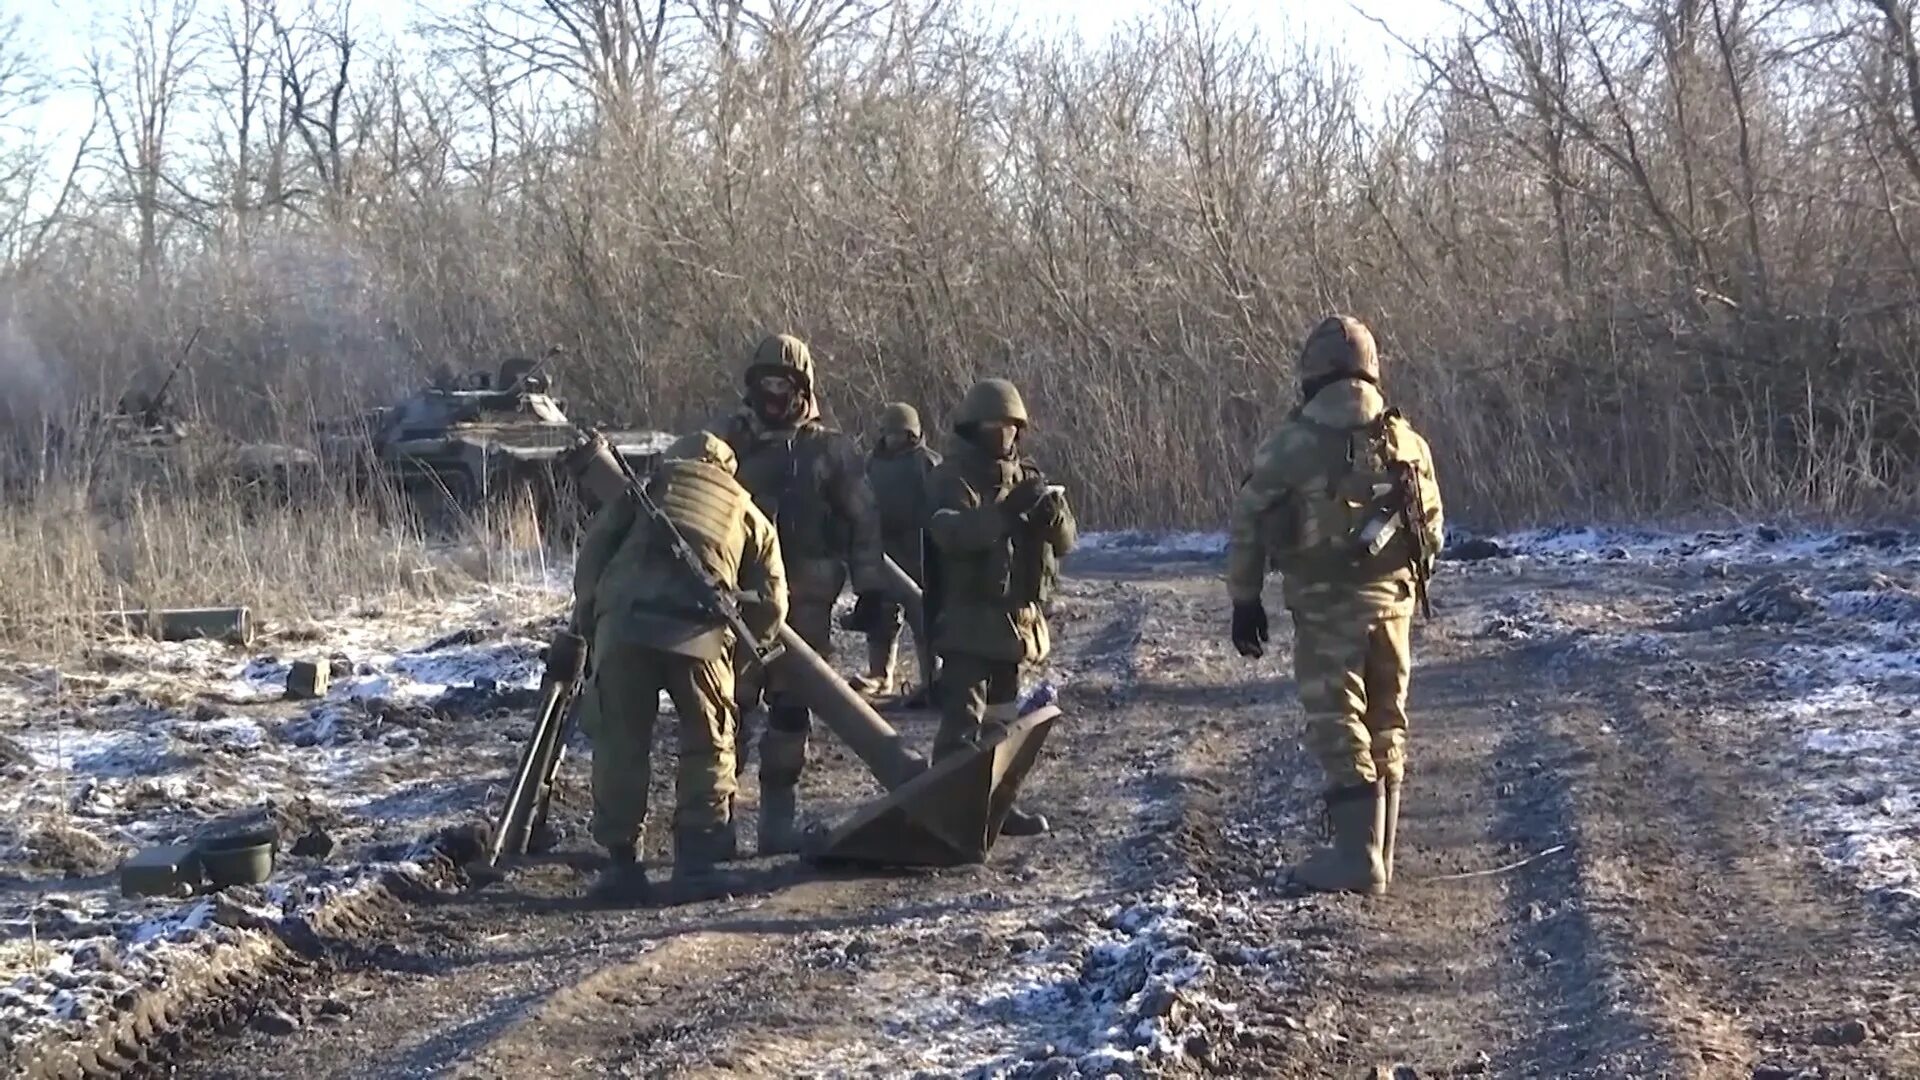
(808, 480)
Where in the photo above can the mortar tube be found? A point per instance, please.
(808, 676)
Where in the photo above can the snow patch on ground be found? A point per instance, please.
(1848, 696)
(1759, 544)
(1154, 544)
(74, 959)
(1128, 991)
(156, 742)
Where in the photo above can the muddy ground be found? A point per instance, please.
(1614, 863)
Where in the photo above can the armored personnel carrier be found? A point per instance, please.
(459, 445)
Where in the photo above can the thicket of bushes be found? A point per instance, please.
(1625, 257)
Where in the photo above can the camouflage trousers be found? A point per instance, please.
(618, 710)
(783, 749)
(976, 694)
(1352, 669)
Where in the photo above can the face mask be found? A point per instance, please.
(775, 400)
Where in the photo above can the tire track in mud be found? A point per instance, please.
(1754, 960)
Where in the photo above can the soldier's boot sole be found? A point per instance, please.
(1353, 864)
(779, 832)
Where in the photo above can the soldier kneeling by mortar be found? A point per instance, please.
(652, 625)
(1343, 500)
(997, 532)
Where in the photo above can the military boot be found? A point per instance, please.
(1357, 816)
(698, 853)
(779, 833)
(1022, 823)
(624, 880)
(1391, 815)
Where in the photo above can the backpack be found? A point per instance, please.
(1342, 480)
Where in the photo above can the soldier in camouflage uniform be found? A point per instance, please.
(1343, 470)
(652, 630)
(998, 530)
(808, 480)
(897, 470)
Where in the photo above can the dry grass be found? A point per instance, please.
(1621, 265)
(65, 557)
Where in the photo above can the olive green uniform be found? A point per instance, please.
(898, 475)
(1315, 485)
(806, 477)
(996, 576)
(652, 631)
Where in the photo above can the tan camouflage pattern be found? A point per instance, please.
(1352, 622)
(618, 710)
(1352, 667)
(1288, 513)
(1340, 345)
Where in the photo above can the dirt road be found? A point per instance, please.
(1613, 865)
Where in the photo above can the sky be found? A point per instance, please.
(64, 32)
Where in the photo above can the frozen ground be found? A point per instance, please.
(1794, 650)
(148, 743)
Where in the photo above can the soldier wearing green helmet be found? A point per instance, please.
(652, 632)
(897, 470)
(997, 530)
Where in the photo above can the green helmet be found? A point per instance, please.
(702, 446)
(1340, 347)
(991, 400)
(782, 354)
(900, 418)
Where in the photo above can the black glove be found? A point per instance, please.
(1024, 497)
(1250, 628)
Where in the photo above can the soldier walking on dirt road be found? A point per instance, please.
(897, 470)
(998, 531)
(1344, 502)
(653, 629)
(807, 479)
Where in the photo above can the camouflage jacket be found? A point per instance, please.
(626, 576)
(995, 579)
(1311, 490)
(808, 481)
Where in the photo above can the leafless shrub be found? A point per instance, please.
(1627, 257)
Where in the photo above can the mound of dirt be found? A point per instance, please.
(1775, 599)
